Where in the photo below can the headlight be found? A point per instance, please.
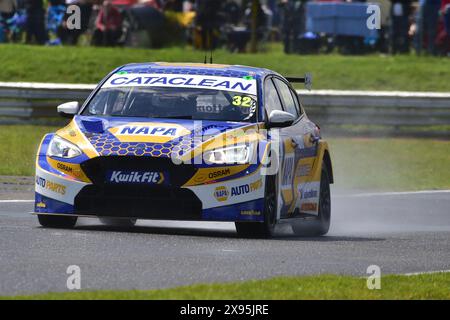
(230, 155)
(62, 148)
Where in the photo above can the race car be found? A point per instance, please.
(199, 142)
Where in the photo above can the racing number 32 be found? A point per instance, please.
(242, 101)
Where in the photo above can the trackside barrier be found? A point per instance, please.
(28, 102)
(384, 108)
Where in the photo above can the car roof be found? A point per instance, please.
(222, 70)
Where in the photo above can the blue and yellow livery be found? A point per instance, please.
(187, 142)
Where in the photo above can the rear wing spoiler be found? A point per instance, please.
(307, 80)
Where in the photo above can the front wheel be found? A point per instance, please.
(321, 225)
(62, 222)
(264, 229)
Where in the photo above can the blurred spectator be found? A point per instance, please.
(56, 2)
(428, 21)
(261, 17)
(7, 8)
(188, 5)
(400, 12)
(15, 25)
(259, 22)
(35, 25)
(156, 4)
(108, 26)
(207, 20)
(292, 22)
(287, 24)
(273, 5)
(446, 16)
(147, 26)
(55, 14)
(232, 12)
(443, 37)
(237, 35)
(173, 5)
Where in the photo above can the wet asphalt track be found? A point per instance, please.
(400, 233)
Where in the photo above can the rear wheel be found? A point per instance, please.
(119, 222)
(321, 225)
(264, 229)
(49, 221)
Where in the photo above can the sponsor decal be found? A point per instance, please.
(218, 174)
(138, 177)
(303, 170)
(70, 169)
(56, 187)
(221, 193)
(210, 109)
(41, 205)
(246, 188)
(288, 171)
(209, 175)
(250, 212)
(64, 167)
(147, 130)
(178, 81)
(308, 206)
(308, 194)
(50, 185)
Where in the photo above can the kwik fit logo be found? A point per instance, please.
(149, 177)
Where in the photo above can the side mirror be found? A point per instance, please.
(68, 109)
(280, 119)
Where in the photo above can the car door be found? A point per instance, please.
(281, 139)
(300, 193)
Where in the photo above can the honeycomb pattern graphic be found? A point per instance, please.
(107, 144)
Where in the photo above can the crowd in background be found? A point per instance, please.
(423, 25)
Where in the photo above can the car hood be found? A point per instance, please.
(107, 136)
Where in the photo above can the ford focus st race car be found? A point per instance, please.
(187, 142)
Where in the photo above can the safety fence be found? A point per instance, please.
(383, 112)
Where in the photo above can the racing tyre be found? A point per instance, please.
(320, 226)
(118, 222)
(264, 229)
(57, 221)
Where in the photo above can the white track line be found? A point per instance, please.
(401, 193)
(16, 201)
(425, 272)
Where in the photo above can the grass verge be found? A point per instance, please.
(372, 163)
(390, 163)
(426, 286)
(19, 146)
(369, 72)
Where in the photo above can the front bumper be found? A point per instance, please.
(239, 197)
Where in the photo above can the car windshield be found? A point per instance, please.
(177, 101)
